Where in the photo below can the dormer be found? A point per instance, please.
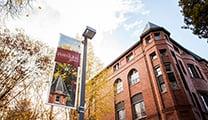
(153, 32)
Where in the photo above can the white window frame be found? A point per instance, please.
(116, 67)
(157, 37)
(123, 114)
(153, 57)
(134, 76)
(205, 104)
(119, 86)
(130, 57)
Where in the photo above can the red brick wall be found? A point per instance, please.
(171, 105)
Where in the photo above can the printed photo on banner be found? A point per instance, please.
(63, 89)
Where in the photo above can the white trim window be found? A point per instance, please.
(118, 86)
(130, 57)
(120, 111)
(171, 76)
(133, 77)
(116, 67)
(153, 56)
(138, 106)
(204, 98)
(160, 81)
(157, 36)
(192, 71)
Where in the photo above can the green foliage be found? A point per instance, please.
(195, 14)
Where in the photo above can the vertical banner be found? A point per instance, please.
(63, 89)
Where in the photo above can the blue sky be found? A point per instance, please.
(119, 23)
(165, 13)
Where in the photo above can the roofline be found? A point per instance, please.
(124, 53)
(153, 30)
(139, 42)
(173, 41)
(197, 57)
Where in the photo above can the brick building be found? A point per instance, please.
(158, 79)
(58, 92)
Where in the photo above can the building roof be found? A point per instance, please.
(124, 53)
(59, 85)
(150, 27)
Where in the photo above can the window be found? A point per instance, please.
(173, 54)
(118, 86)
(133, 77)
(171, 76)
(176, 49)
(148, 39)
(160, 81)
(153, 56)
(158, 71)
(192, 71)
(163, 52)
(57, 99)
(157, 36)
(204, 98)
(116, 67)
(166, 37)
(138, 106)
(200, 72)
(120, 113)
(129, 57)
(182, 66)
(193, 98)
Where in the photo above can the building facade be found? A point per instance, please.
(158, 79)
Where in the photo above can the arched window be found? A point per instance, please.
(133, 77)
(118, 86)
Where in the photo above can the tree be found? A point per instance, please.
(94, 66)
(21, 111)
(14, 7)
(23, 62)
(195, 16)
(98, 98)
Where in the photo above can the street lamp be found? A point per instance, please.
(88, 33)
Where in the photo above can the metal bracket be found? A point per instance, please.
(81, 109)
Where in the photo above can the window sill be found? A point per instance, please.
(164, 92)
(175, 89)
(142, 118)
(135, 83)
(119, 92)
(199, 79)
(195, 77)
(128, 61)
(57, 102)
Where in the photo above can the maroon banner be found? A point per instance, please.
(68, 56)
(64, 88)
